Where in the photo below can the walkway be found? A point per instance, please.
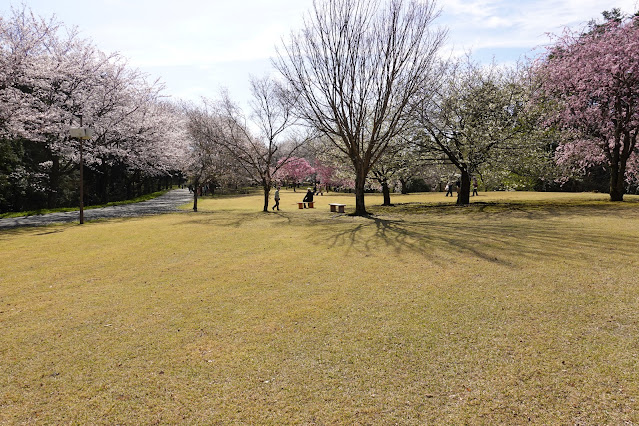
(166, 203)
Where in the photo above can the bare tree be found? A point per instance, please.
(355, 67)
(223, 125)
(206, 163)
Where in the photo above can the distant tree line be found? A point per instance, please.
(363, 101)
(387, 112)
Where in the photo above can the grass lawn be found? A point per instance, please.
(522, 307)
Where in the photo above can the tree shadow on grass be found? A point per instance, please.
(499, 233)
(400, 236)
(36, 230)
(523, 209)
(237, 220)
(488, 236)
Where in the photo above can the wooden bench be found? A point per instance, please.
(336, 207)
(311, 204)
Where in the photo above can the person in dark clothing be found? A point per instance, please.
(449, 189)
(308, 198)
(277, 199)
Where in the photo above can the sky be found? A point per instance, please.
(198, 47)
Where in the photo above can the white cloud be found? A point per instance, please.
(525, 24)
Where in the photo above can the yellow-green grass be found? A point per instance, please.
(520, 308)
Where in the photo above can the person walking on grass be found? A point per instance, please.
(308, 198)
(449, 189)
(277, 199)
(474, 186)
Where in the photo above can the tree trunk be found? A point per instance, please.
(137, 186)
(617, 187)
(404, 183)
(267, 191)
(463, 198)
(196, 185)
(386, 193)
(267, 184)
(360, 182)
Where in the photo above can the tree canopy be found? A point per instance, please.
(50, 80)
(591, 82)
(353, 70)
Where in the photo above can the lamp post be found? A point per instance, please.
(81, 133)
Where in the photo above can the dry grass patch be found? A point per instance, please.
(434, 314)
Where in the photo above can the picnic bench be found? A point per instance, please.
(336, 207)
(311, 204)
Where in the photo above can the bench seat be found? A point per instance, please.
(336, 207)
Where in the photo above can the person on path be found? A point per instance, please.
(308, 198)
(474, 186)
(277, 199)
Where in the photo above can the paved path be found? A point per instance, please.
(166, 203)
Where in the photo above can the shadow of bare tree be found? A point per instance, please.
(496, 235)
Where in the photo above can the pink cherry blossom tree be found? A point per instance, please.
(294, 170)
(325, 173)
(591, 81)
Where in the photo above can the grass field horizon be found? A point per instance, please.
(522, 307)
